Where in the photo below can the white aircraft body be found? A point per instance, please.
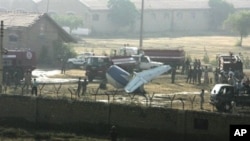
(119, 78)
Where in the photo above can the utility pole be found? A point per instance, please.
(47, 10)
(141, 26)
(1, 57)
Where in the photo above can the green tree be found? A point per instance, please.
(219, 11)
(122, 12)
(239, 22)
(71, 21)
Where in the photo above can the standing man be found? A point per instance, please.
(202, 98)
(16, 79)
(79, 86)
(27, 80)
(199, 74)
(113, 133)
(63, 62)
(206, 79)
(34, 87)
(189, 74)
(84, 86)
(173, 74)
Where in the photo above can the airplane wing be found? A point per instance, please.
(144, 77)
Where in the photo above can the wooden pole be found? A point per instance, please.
(1, 56)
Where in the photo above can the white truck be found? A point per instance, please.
(222, 96)
(79, 61)
(144, 62)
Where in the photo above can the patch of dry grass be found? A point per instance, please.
(194, 46)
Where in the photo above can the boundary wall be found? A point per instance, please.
(132, 121)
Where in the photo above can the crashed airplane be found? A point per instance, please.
(132, 83)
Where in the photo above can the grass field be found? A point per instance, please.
(194, 46)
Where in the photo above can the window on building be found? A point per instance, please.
(70, 13)
(179, 15)
(13, 38)
(166, 15)
(206, 13)
(193, 15)
(153, 16)
(2, 9)
(95, 17)
(20, 10)
(52, 12)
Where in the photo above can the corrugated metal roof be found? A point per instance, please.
(12, 19)
(165, 4)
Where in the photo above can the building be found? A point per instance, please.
(37, 32)
(18, 5)
(159, 15)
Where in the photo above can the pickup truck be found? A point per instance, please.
(222, 96)
(78, 61)
(145, 63)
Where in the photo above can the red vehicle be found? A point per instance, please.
(18, 61)
(174, 57)
(227, 61)
(167, 56)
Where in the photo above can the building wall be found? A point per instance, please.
(61, 7)
(134, 120)
(190, 20)
(41, 34)
(18, 5)
(155, 21)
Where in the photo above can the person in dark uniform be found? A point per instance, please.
(202, 98)
(79, 87)
(113, 133)
(84, 86)
(34, 87)
(173, 74)
(189, 75)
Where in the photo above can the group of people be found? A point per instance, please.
(82, 86)
(240, 81)
(195, 72)
(11, 79)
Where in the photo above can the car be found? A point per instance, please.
(79, 60)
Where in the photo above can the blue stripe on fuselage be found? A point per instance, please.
(119, 75)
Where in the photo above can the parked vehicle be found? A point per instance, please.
(173, 57)
(18, 61)
(145, 63)
(79, 61)
(96, 67)
(227, 61)
(222, 96)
